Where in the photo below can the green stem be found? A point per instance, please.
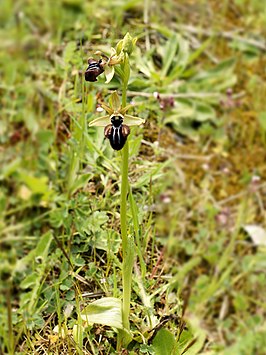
(127, 245)
(125, 241)
(124, 95)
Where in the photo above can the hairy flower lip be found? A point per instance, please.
(94, 69)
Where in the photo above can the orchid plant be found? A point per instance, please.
(109, 310)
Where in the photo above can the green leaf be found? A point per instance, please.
(216, 79)
(238, 45)
(45, 139)
(186, 113)
(262, 120)
(29, 281)
(67, 284)
(69, 52)
(194, 56)
(181, 59)
(80, 182)
(126, 69)
(194, 346)
(38, 254)
(10, 168)
(38, 185)
(78, 331)
(144, 65)
(119, 72)
(97, 219)
(225, 65)
(204, 112)
(170, 53)
(165, 343)
(106, 311)
(109, 240)
(43, 245)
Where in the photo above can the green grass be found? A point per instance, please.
(196, 173)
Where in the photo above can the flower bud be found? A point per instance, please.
(127, 46)
(119, 47)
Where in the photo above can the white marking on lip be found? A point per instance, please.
(118, 135)
(114, 133)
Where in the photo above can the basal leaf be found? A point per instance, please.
(165, 343)
(262, 120)
(106, 311)
(29, 281)
(169, 54)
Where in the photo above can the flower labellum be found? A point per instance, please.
(94, 69)
(117, 132)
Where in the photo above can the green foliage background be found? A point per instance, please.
(197, 172)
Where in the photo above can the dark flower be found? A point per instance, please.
(117, 132)
(94, 69)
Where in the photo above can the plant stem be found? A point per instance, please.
(125, 241)
(124, 95)
(124, 336)
(127, 247)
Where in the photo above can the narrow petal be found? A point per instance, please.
(107, 109)
(125, 109)
(133, 120)
(100, 121)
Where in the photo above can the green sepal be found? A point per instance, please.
(109, 73)
(133, 120)
(100, 121)
(115, 102)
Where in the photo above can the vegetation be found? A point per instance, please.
(195, 213)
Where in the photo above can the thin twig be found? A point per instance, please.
(239, 195)
(180, 95)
